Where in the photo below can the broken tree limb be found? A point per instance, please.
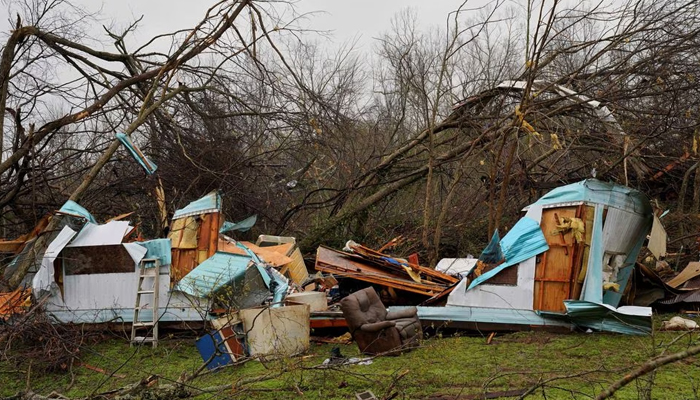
(180, 57)
(646, 368)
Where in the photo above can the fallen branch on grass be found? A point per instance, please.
(646, 368)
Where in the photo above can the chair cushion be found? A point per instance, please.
(363, 307)
(408, 327)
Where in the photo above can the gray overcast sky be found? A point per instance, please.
(347, 19)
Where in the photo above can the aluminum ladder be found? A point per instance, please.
(149, 269)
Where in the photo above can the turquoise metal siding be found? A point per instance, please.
(214, 273)
(207, 204)
(598, 192)
(523, 241)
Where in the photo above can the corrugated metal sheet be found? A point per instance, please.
(44, 278)
(116, 301)
(692, 297)
(214, 273)
(523, 241)
(621, 230)
(207, 204)
(484, 315)
(237, 280)
(597, 192)
(75, 209)
(623, 275)
(629, 320)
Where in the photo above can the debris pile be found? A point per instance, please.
(571, 261)
(364, 264)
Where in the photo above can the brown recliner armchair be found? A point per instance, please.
(374, 329)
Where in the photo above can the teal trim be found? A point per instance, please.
(593, 285)
(208, 204)
(75, 209)
(149, 166)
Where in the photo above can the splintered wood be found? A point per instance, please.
(370, 266)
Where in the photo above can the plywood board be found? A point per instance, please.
(183, 233)
(657, 239)
(297, 268)
(689, 272)
(269, 254)
(553, 274)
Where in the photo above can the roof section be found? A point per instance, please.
(214, 273)
(597, 192)
(238, 279)
(111, 233)
(210, 203)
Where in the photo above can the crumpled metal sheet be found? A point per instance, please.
(74, 209)
(524, 240)
(148, 165)
(629, 320)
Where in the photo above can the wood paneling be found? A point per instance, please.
(555, 272)
(97, 260)
(508, 276)
(207, 237)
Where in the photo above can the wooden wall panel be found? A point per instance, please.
(187, 259)
(554, 272)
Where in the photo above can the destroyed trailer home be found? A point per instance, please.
(97, 273)
(566, 263)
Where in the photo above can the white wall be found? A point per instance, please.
(102, 297)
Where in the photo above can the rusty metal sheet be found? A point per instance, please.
(13, 303)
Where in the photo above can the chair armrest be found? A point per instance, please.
(377, 326)
(408, 312)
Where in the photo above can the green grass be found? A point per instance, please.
(455, 365)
